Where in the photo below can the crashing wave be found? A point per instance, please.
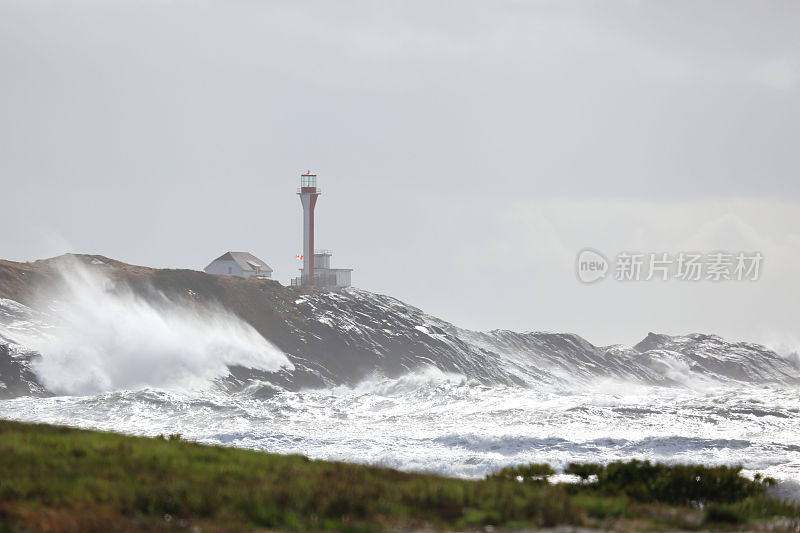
(100, 325)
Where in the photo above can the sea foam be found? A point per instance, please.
(103, 337)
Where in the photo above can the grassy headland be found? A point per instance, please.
(61, 479)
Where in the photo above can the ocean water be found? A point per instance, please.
(93, 351)
(430, 421)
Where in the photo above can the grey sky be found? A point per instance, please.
(467, 150)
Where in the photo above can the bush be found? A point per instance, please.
(532, 473)
(171, 436)
(679, 484)
(584, 470)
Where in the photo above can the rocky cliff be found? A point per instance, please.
(341, 337)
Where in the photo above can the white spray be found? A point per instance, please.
(105, 337)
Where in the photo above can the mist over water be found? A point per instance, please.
(102, 337)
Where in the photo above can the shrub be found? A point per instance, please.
(532, 473)
(678, 484)
(171, 436)
(584, 470)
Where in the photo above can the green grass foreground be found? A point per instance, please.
(60, 479)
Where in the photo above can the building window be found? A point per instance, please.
(230, 270)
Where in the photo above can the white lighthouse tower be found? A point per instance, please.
(308, 193)
(316, 269)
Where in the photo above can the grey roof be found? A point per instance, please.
(246, 260)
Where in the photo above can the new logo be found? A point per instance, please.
(591, 266)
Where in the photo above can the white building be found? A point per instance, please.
(324, 275)
(242, 264)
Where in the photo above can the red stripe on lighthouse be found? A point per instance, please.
(312, 203)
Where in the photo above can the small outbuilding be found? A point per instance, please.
(242, 264)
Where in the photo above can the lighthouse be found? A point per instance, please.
(308, 193)
(316, 269)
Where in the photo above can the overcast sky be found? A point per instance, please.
(467, 150)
